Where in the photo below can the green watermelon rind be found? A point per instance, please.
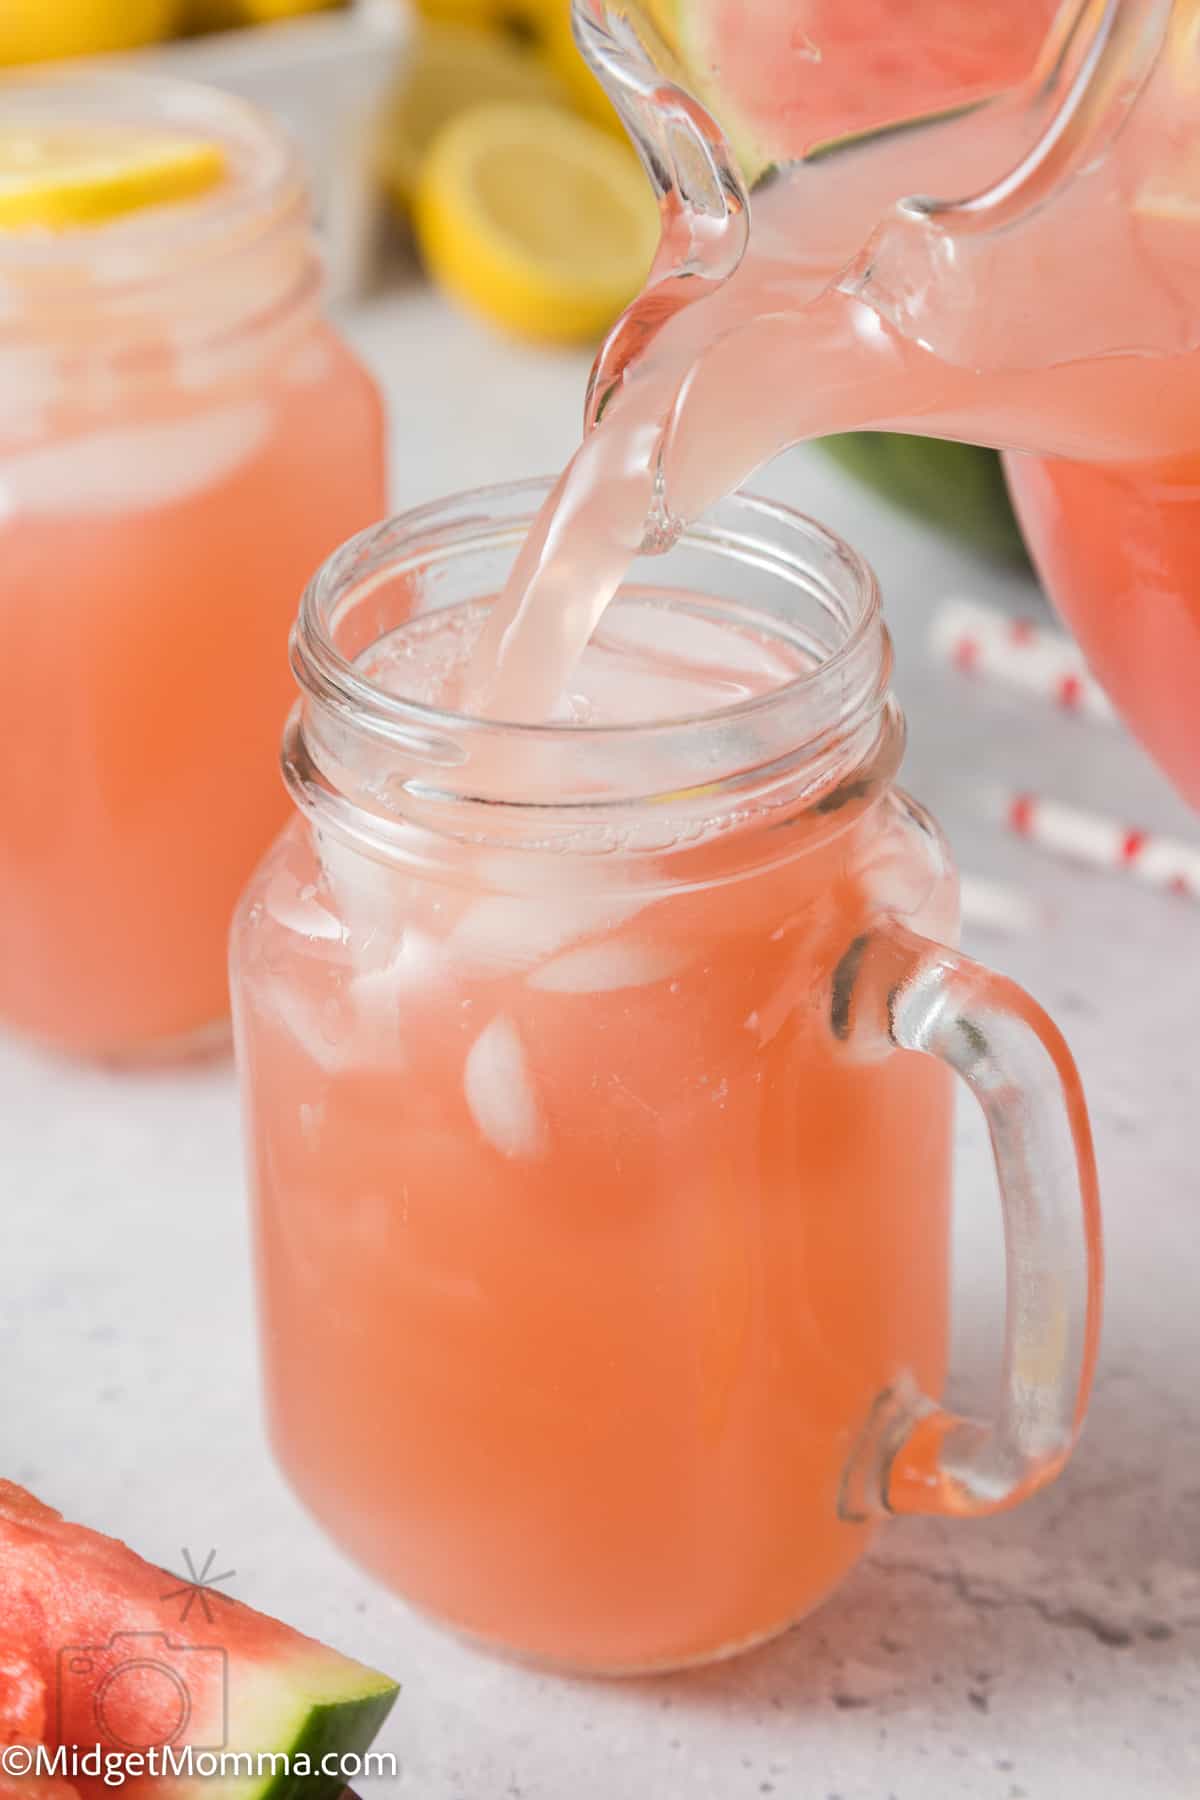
(959, 488)
(339, 1728)
(302, 1700)
(316, 1704)
(895, 128)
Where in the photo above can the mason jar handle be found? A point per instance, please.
(905, 993)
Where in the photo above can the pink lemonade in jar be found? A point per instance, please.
(594, 1018)
(576, 1255)
(597, 1234)
(182, 438)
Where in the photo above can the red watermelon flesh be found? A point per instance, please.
(36, 1787)
(97, 1650)
(800, 72)
(22, 1721)
(22, 1698)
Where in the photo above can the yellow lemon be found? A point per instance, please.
(565, 58)
(543, 25)
(38, 30)
(536, 220)
(58, 178)
(225, 15)
(516, 20)
(450, 69)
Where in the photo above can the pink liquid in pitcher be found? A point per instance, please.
(1015, 341)
(1118, 546)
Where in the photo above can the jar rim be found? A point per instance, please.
(353, 747)
(184, 292)
(379, 552)
(266, 184)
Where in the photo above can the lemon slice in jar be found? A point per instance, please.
(536, 220)
(63, 177)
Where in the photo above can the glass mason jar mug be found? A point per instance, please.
(598, 1088)
(182, 440)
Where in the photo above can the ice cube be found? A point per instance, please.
(505, 933)
(299, 910)
(500, 1093)
(605, 968)
(367, 894)
(135, 469)
(685, 642)
(307, 1021)
(615, 691)
(380, 998)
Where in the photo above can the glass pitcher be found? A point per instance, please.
(597, 1089)
(1051, 312)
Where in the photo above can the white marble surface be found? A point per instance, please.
(1050, 1655)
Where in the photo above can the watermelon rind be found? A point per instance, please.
(959, 488)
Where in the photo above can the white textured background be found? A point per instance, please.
(1050, 1655)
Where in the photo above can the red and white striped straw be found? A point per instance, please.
(1102, 843)
(1018, 653)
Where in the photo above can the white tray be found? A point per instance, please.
(325, 77)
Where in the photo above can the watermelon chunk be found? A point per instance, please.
(784, 75)
(99, 1648)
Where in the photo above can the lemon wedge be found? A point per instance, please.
(536, 220)
(451, 68)
(58, 178)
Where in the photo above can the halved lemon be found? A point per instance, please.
(452, 68)
(38, 30)
(536, 220)
(540, 27)
(566, 59)
(224, 15)
(514, 17)
(59, 178)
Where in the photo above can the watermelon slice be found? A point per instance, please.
(784, 75)
(98, 1648)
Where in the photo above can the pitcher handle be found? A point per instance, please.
(907, 993)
